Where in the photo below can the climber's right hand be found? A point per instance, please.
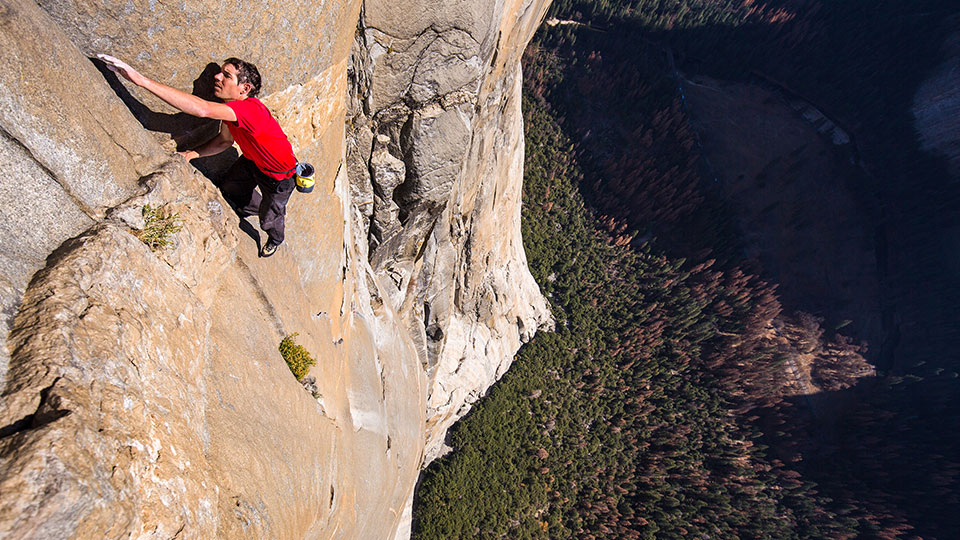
(119, 66)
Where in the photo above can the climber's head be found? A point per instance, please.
(237, 80)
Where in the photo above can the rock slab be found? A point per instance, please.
(142, 393)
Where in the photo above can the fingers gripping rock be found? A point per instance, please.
(113, 64)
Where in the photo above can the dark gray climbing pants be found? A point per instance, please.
(238, 187)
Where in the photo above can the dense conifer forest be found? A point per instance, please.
(663, 405)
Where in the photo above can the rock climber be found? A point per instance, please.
(267, 162)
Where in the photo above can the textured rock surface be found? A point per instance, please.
(177, 39)
(63, 165)
(142, 393)
(440, 93)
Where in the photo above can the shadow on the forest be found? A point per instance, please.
(885, 444)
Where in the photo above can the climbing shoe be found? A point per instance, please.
(268, 249)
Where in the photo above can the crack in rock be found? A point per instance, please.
(48, 411)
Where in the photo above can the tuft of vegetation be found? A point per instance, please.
(298, 359)
(160, 227)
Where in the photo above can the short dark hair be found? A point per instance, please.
(246, 73)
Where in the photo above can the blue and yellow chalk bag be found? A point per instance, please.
(304, 177)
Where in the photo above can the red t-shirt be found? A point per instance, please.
(260, 138)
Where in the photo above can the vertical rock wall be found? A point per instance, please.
(435, 148)
(142, 393)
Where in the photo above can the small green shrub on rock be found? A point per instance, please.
(297, 357)
(160, 226)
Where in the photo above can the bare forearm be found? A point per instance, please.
(179, 99)
(210, 148)
(187, 103)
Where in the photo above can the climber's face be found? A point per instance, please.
(227, 86)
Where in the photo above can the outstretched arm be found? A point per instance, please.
(212, 147)
(188, 103)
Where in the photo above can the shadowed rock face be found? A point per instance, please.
(143, 393)
(936, 108)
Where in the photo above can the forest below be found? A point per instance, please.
(678, 396)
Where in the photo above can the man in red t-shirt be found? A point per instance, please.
(267, 161)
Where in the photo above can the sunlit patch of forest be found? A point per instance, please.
(663, 406)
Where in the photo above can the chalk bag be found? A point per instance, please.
(304, 177)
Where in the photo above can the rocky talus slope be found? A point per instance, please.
(142, 392)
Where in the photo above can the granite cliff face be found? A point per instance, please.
(435, 149)
(142, 393)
